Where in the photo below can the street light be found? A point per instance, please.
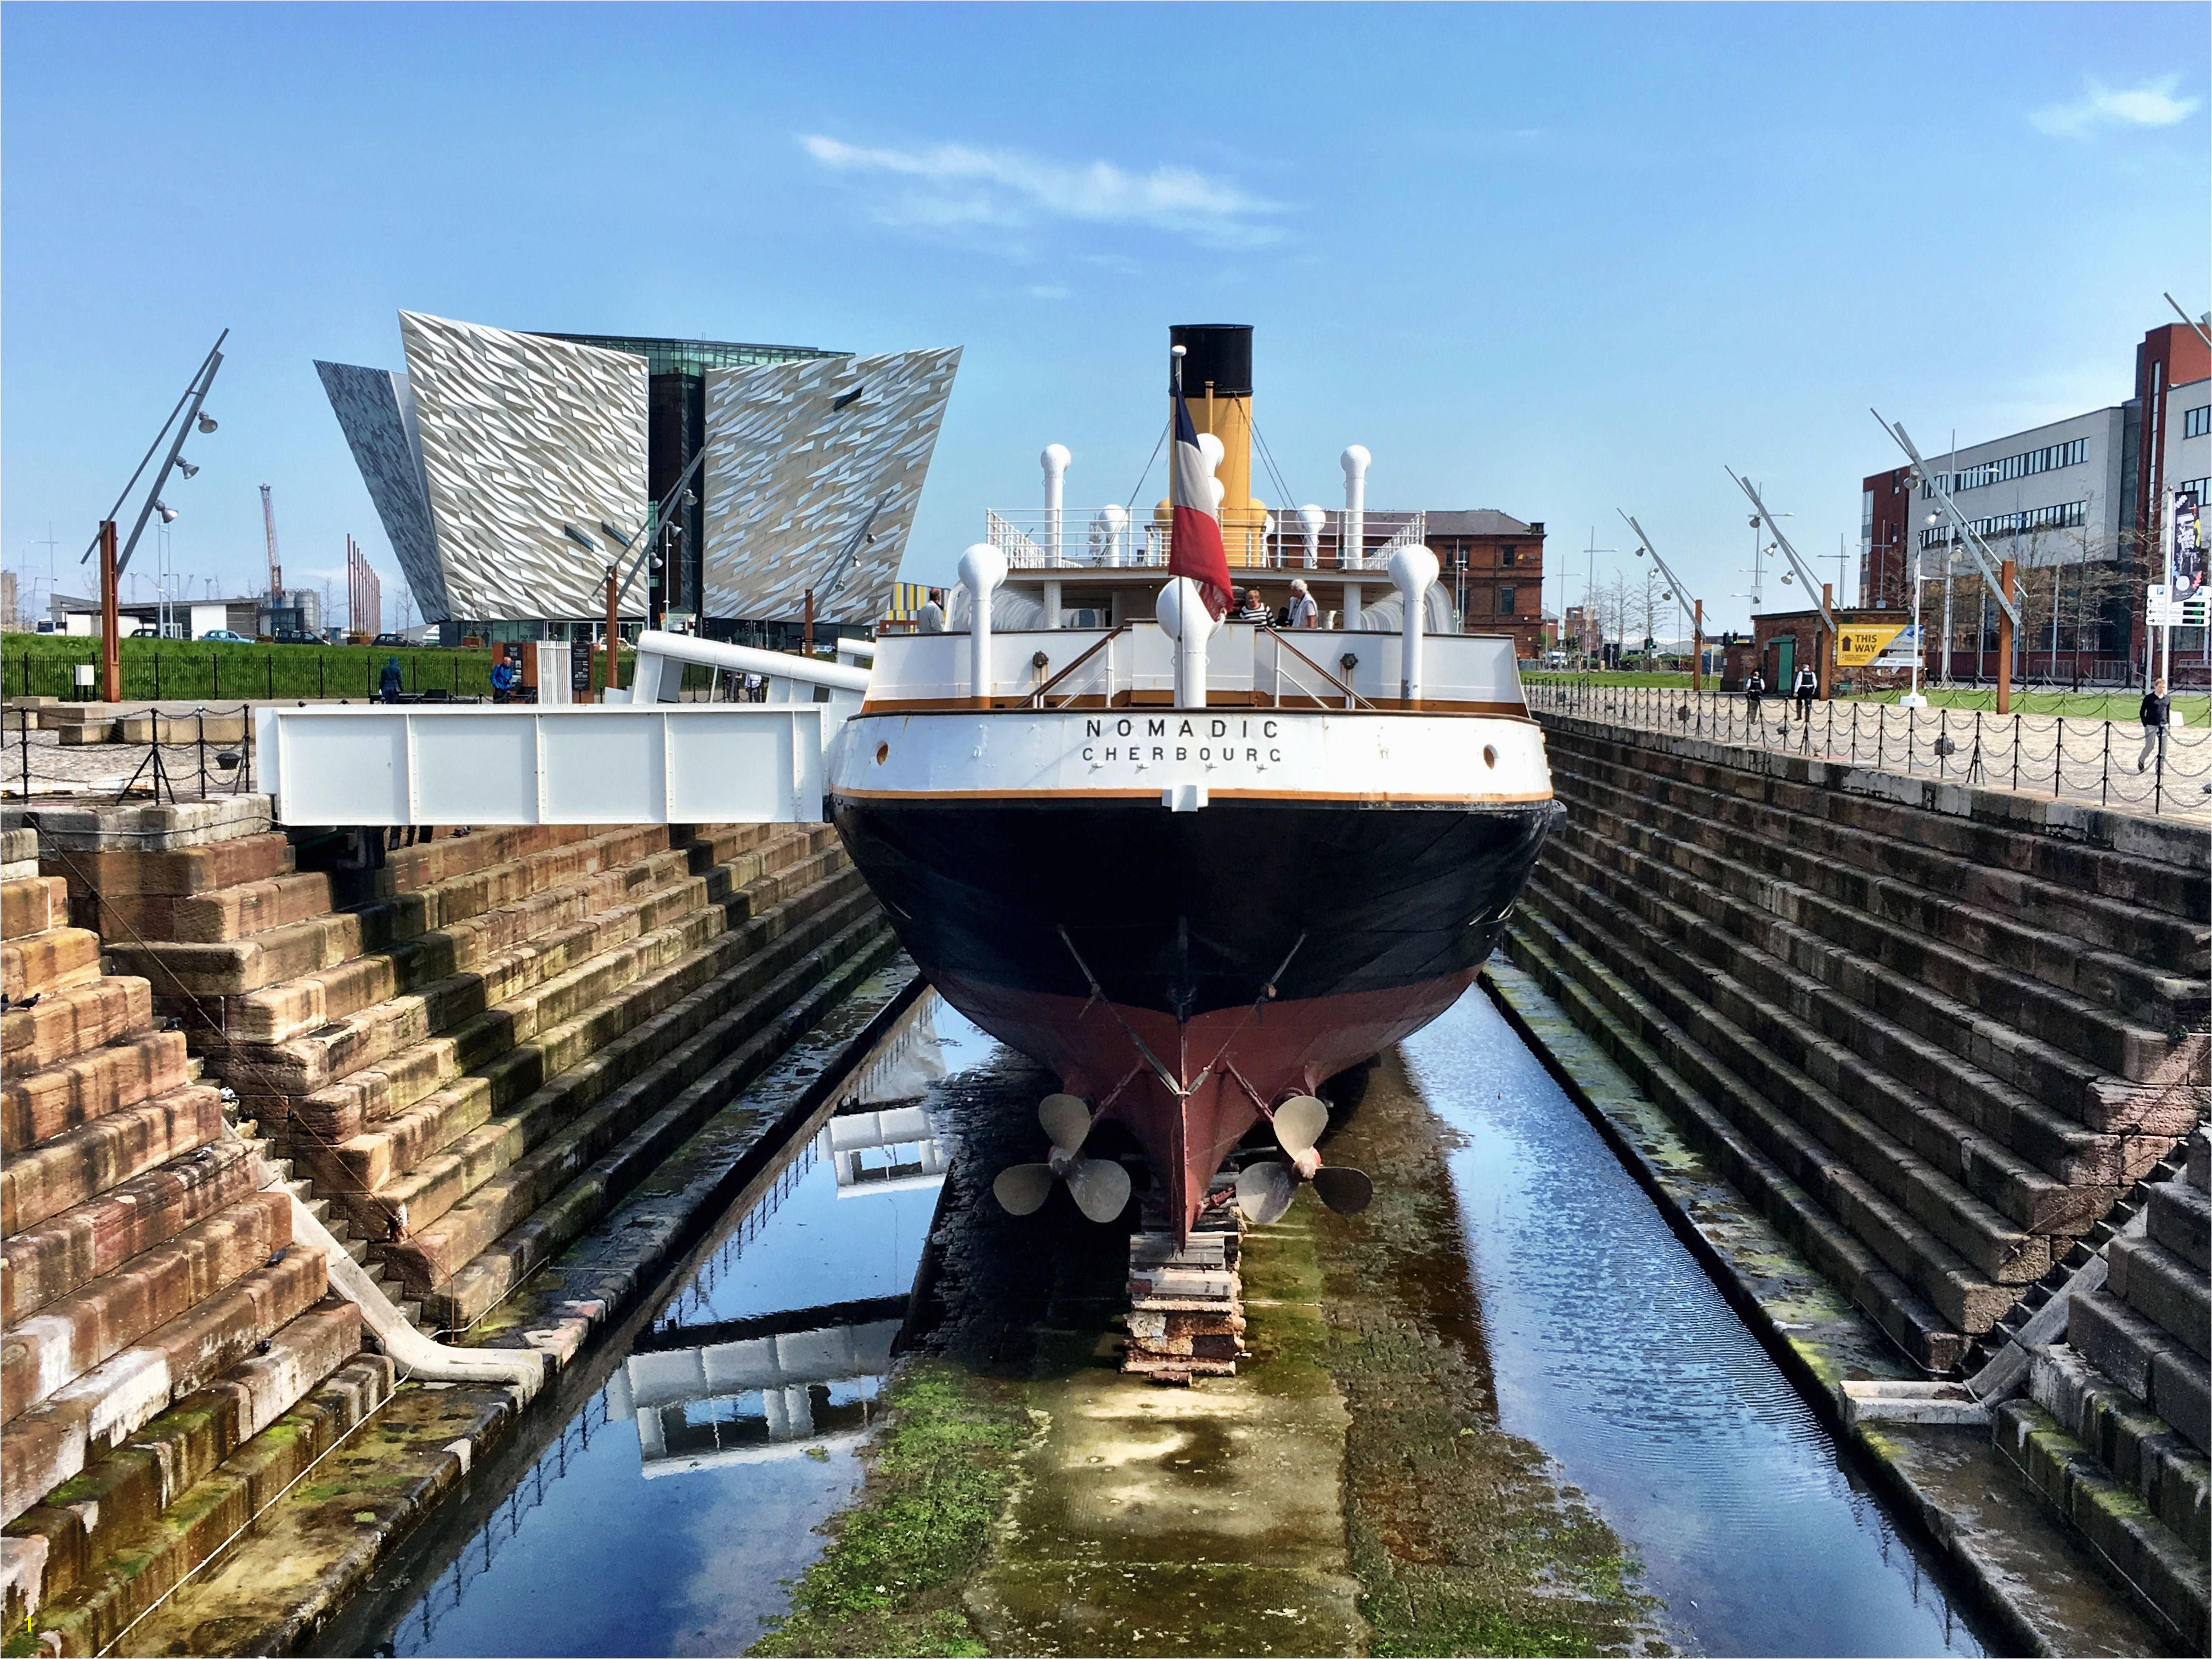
(168, 513)
(206, 422)
(187, 468)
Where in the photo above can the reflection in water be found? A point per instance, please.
(755, 1384)
(1615, 1353)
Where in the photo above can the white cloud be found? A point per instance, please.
(957, 185)
(2153, 104)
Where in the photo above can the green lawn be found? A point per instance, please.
(41, 665)
(2195, 707)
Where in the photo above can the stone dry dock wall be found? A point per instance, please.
(462, 1059)
(2115, 1425)
(1935, 1033)
(170, 1361)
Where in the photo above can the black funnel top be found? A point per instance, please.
(1219, 352)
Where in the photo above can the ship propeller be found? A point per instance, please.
(1264, 1189)
(1099, 1186)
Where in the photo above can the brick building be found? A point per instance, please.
(1494, 566)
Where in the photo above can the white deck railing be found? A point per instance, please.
(1105, 539)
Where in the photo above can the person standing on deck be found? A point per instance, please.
(931, 617)
(1304, 613)
(2157, 708)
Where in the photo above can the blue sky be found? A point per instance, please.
(1551, 260)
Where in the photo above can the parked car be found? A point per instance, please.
(294, 636)
(389, 639)
(226, 636)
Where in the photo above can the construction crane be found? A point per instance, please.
(276, 570)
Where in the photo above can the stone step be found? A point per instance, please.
(125, 1532)
(456, 944)
(2150, 880)
(2059, 1017)
(1877, 837)
(69, 1336)
(2198, 1171)
(396, 1140)
(2056, 1088)
(38, 1105)
(2166, 1577)
(53, 1440)
(1618, 1019)
(230, 968)
(2163, 1288)
(2136, 1446)
(1953, 914)
(1779, 1114)
(56, 960)
(47, 1261)
(84, 1162)
(515, 1224)
(370, 1067)
(541, 982)
(2144, 1360)
(33, 904)
(2181, 1220)
(173, 872)
(65, 1024)
(597, 1053)
(1954, 1101)
(225, 913)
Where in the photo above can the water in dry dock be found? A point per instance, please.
(672, 1511)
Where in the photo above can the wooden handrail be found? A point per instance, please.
(1037, 697)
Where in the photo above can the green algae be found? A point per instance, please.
(939, 1478)
(1463, 1537)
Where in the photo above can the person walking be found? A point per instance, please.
(388, 682)
(1304, 613)
(1754, 687)
(1805, 689)
(503, 680)
(2157, 709)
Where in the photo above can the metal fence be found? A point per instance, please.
(2109, 761)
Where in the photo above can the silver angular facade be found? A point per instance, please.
(377, 417)
(799, 455)
(497, 442)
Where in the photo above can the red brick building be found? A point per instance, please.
(1494, 566)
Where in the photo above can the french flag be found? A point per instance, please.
(1194, 534)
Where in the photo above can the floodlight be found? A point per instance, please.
(187, 468)
(168, 513)
(207, 423)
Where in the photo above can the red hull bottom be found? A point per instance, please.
(1221, 1060)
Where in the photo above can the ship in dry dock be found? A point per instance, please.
(1196, 868)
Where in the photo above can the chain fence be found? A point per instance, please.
(180, 761)
(2112, 763)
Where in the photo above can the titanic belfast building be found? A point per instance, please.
(511, 470)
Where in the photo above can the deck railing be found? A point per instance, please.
(1105, 538)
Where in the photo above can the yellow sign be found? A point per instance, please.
(1859, 645)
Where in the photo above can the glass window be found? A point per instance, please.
(1505, 601)
(2198, 422)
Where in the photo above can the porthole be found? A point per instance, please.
(883, 753)
(1489, 755)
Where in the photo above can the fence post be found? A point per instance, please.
(2015, 752)
(2058, 759)
(272, 676)
(2105, 782)
(322, 689)
(157, 676)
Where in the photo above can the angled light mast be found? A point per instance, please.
(1697, 606)
(1805, 576)
(1960, 528)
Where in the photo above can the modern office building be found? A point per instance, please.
(2089, 491)
(512, 469)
